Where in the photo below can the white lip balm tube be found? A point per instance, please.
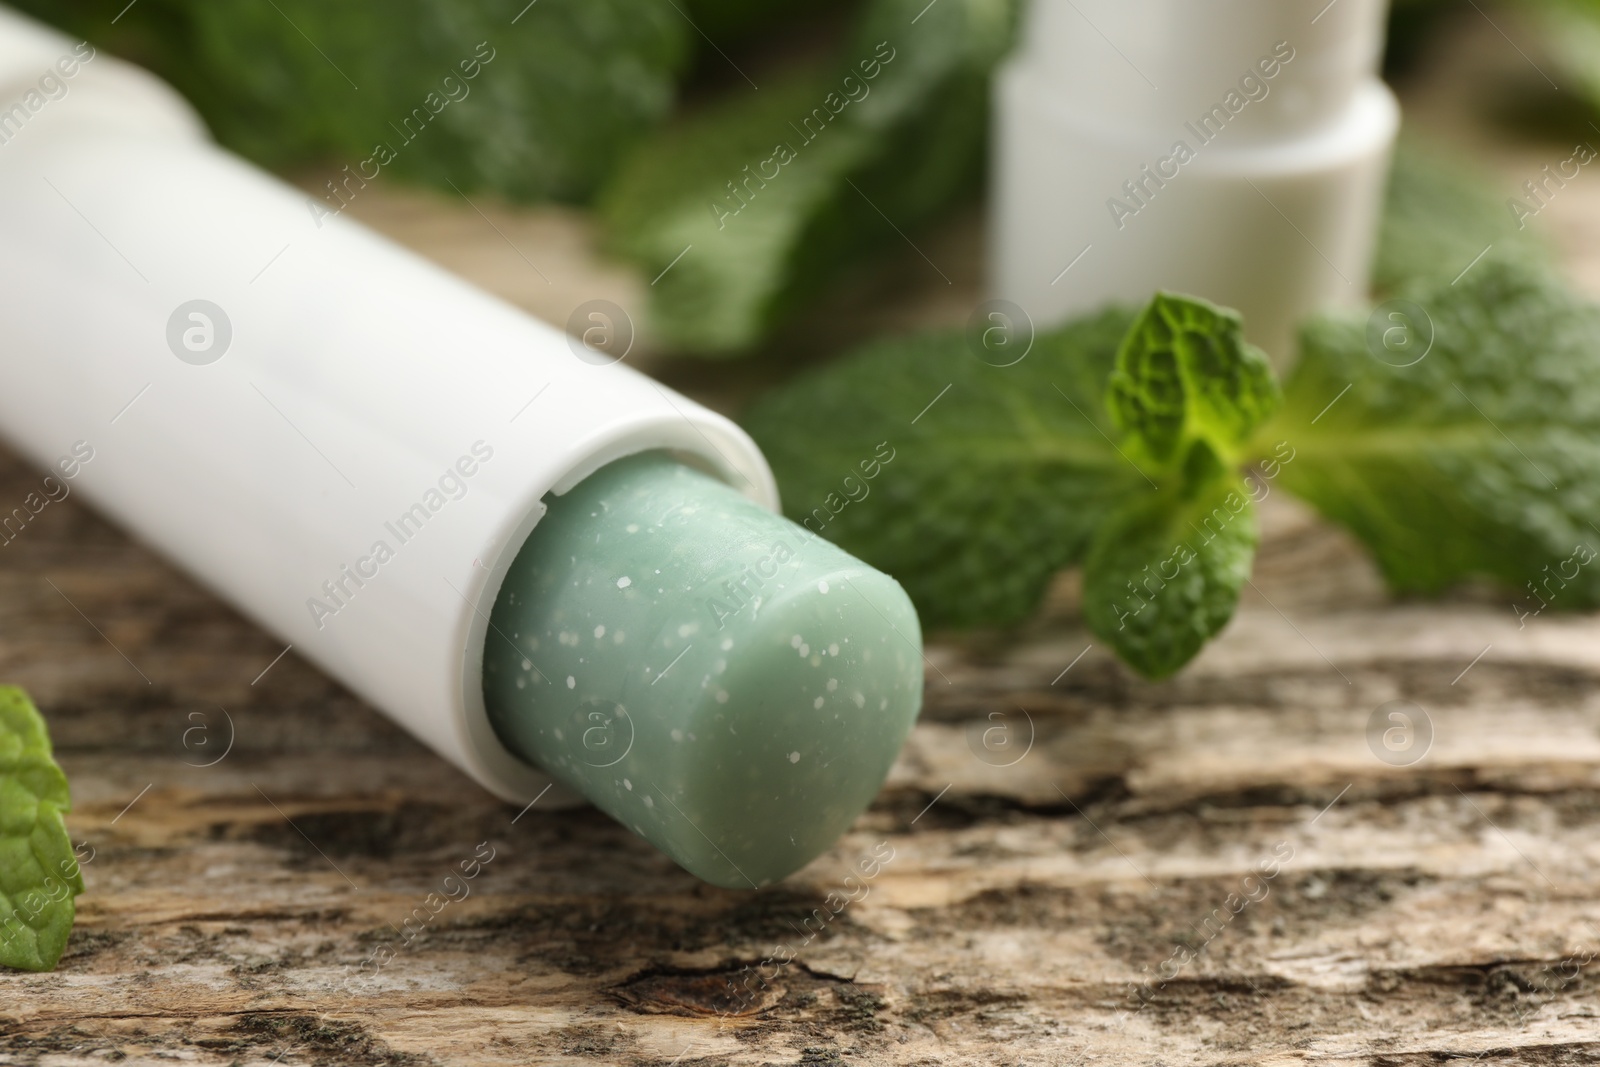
(1230, 149)
(424, 490)
(338, 392)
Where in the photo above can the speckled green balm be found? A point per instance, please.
(715, 677)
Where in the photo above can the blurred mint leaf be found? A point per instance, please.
(971, 484)
(1440, 214)
(732, 22)
(1570, 33)
(745, 210)
(720, 278)
(1481, 458)
(1164, 572)
(1185, 373)
(39, 875)
(571, 87)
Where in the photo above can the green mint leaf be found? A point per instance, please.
(1185, 373)
(723, 259)
(1165, 570)
(1471, 449)
(565, 93)
(732, 22)
(1440, 213)
(39, 874)
(1570, 35)
(969, 483)
(747, 209)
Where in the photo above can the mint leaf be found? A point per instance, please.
(745, 210)
(732, 22)
(1482, 458)
(730, 264)
(1185, 373)
(1165, 570)
(971, 484)
(39, 874)
(1570, 34)
(572, 85)
(1441, 213)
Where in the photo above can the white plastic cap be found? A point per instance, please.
(1269, 206)
(1143, 66)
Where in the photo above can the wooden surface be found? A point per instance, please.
(1057, 834)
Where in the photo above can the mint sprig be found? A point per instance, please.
(1165, 568)
(1119, 442)
(39, 875)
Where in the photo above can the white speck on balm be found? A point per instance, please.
(688, 628)
(794, 757)
(624, 582)
(833, 683)
(649, 802)
(633, 527)
(722, 696)
(628, 785)
(527, 664)
(817, 703)
(833, 649)
(600, 631)
(794, 642)
(727, 643)
(805, 650)
(677, 735)
(572, 683)
(822, 587)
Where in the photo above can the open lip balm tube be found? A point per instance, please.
(538, 561)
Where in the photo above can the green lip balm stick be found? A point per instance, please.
(713, 676)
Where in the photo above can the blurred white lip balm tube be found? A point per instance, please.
(1231, 149)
